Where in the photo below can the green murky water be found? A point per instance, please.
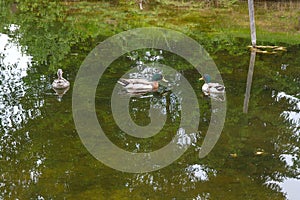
(256, 156)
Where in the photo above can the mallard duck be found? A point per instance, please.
(60, 82)
(142, 85)
(211, 88)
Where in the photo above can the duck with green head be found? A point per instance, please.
(211, 88)
(142, 85)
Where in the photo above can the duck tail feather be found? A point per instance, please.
(220, 88)
(123, 82)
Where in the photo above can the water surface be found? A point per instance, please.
(256, 157)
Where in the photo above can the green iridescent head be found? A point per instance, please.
(158, 77)
(206, 78)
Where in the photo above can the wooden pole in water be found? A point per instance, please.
(252, 22)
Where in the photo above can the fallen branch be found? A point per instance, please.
(267, 49)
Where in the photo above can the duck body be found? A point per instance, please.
(60, 82)
(211, 88)
(141, 85)
(138, 84)
(214, 88)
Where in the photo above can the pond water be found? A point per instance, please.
(256, 157)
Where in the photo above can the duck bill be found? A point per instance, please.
(201, 79)
(164, 80)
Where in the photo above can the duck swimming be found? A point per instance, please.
(60, 82)
(211, 88)
(142, 85)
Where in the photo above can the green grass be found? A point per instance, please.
(276, 25)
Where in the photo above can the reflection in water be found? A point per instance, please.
(184, 139)
(39, 172)
(14, 114)
(166, 100)
(290, 186)
(249, 81)
(198, 172)
(292, 116)
(60, 93)
(13, 68)
(188, 179)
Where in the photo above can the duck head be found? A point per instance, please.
(158, 77)
(206, 78)
(59, 73)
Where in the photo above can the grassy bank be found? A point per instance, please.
(53, 30)
(276, 22)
